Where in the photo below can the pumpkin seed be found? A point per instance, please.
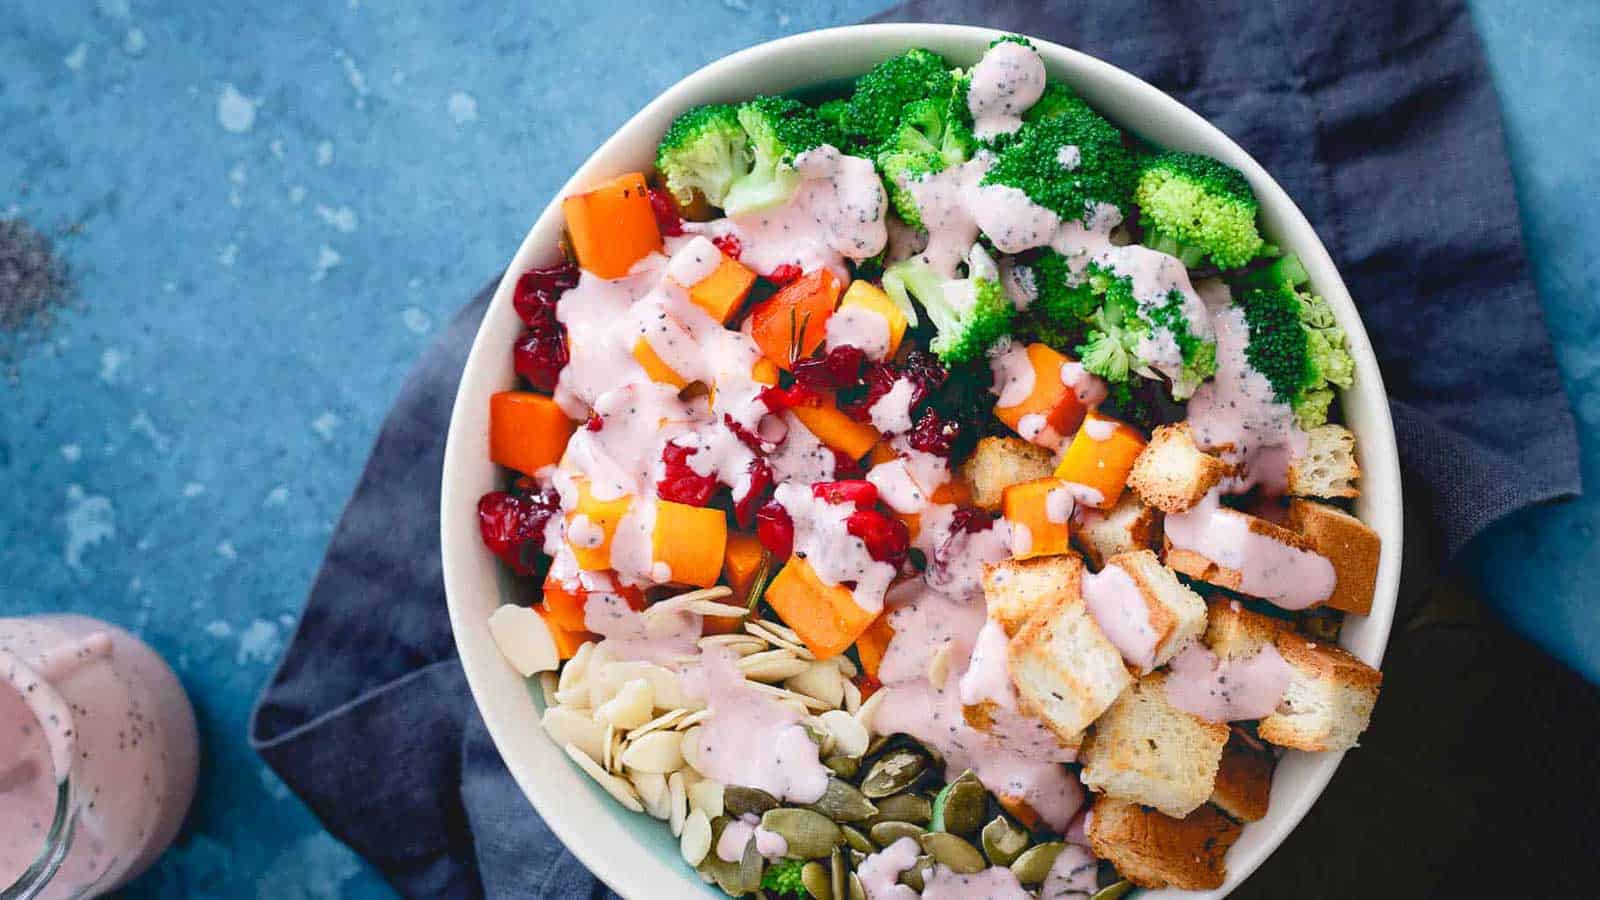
(1003, 842)
(837, 872)
(808, 834)
(857, 892)
(886, 833)
(916, 876)
(904, 808)
(857, 841)
(882, 740)
(726, 874)
(960, 806)
(739, 801)
(893, 772)
(841, 802)
(953, 852)
(843, 766)
(817, 880)
(1113, 891)
(750, 866)
(1033, 866)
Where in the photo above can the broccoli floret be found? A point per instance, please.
(1013, 38)
(704, 150)
(1057, 100)
(832, 111)
(1195, 207)
(1115, 329)
(933, 134)
(1067, 163)
(1062, 304)
(874, 109)
(783, 877)
(1199, 355)
(779, 129)
(1295, 342)
(968, 314)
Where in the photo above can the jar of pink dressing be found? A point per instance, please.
(97, 757)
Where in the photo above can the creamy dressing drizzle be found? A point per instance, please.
(1119, 608)
(740, 832)
(1013, 373)
(1230, 690)
(666, 637)
(1270, 569)
(891, 413)
(1237, 415)
(993, 883)
(857, 326)
(1006, 81)
(880, 872)
(837, 556)
(897, 488)
(837, 214)
(753, 740)
(1072, 877)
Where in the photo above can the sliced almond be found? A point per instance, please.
(741, 644)
(616, 787)
(568, 727)
(678, 800)
(721, 610)
(810, 704)
(524, 640)
(850, 737)
(847, 667)
(773, 665)
(706, 796)
(658, 751)
(652, 790)
(667, 719)
(690, 749)
(868, 708)
(820, 680)
(576, 669)
(696, 840)
(692, 719)
(852, 697)
(547, 688)
(631, 707)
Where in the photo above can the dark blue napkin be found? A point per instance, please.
(1379, 119)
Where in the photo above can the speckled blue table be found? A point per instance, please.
(267, 212)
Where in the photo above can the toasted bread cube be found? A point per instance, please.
(1234, 632)
(1130, 525)
(1329, 700)
(1197, 565)
(1065, 670)
(1148, 751)
(1352, 547)
(1153, 850)
(1015, 589)
(1172, 474)
(1244, 781)
(999, 462)
(1172, 615)
(1327, 467)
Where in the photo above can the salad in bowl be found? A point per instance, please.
(927, 487)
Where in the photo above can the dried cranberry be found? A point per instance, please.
(779, 399)
(538, 289)
(595, 422)
(862, 493)
(846, 466)
(878, 380)
(925, 370)
(540, 355)
(667, 219)
(840, 368)
(508, 523)
(746, 436)
(744, 509)
(775, 529)
(729, 245)
(970, 519)
(935, 434)
(887, 538)
(785, 273)
(680, 483)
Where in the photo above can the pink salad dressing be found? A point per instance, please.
(1073, 876)
(1006, 81)
(891, 413)
(993, 883)
(82, 697)
(662, 635)
(860, 327)
(836, 555)
(1018, 756)
(880, 872)
(1227, 690)
(1119, 608)
(1272, 570)
(1237, 415)
(753, 740)
(740, 832)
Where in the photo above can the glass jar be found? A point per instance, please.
(98, 753)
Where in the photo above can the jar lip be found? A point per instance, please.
(48, 707)
(57, 844)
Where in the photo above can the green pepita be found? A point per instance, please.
(893, 772)
(904, 808)
(750, 866)
(841, 802)
(953, 852)
(1034, 864)
(1003, 841)
(914, 877)
(960, 806)
(857, 841)
(886, 833)
(837, 873)
(817, 881)
(740, 801)
(857, 892)
(1113, 891)
(843, 766)
(808, 834)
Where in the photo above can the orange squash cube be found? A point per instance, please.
(691, 541)
(825, 617)
(721, 294)
(1027, 507)
(612, 226)
(837, 430)
(527, 431)
(1052, 410)
(1100, 457)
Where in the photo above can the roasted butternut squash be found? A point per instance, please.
(527, 431)
(612, 226)
(1100, 457)
(1052, 410)
(691, 541)
(792, 323)
(825, 617)
(1029, 509)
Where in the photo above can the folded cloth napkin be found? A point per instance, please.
(1379, 119)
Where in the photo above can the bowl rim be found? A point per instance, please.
(486, 671)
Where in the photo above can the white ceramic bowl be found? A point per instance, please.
(636, 855)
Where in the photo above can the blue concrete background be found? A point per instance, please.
(268, 208)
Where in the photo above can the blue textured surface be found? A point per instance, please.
(267, 210)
